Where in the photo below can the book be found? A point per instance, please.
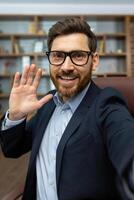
(38, 47)
(32, 29)
(25, 61)
(101, 46)
(16, 48)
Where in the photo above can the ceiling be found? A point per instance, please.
(118, 7)
(71, 1)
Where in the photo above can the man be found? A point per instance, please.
(81, 138)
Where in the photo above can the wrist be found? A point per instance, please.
(16, 116)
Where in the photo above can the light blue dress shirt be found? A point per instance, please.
(46, 159)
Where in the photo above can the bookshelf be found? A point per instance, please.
(23, 39)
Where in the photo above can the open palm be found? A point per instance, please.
(23, 98)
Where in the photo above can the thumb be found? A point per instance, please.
(45, 99)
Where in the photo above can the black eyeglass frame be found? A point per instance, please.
(69, 54)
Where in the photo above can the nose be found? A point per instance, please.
(67, 65)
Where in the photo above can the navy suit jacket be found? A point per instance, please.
(94, 151)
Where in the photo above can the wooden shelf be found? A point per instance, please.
(6, 75)
(111, 35)
(115, 40)
(113, 54)
(109, 74)
(22, 35)
(8, 55)
(3, 96)
(43, 54)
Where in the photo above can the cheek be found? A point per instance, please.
(53, 71)
(85, 73)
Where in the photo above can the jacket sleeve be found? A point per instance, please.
(17, 140)
(117, 128)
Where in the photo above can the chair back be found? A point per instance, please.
(124, 84)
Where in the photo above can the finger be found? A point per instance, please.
(16, 81)
(31, 74)
(37, 78)
(45, 99)
(24, 75)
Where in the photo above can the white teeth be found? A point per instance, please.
(67, 77)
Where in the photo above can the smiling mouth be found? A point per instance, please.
(67, 78)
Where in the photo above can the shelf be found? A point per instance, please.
(94, 74)
(21, 55)
(4, 96)
(19, 39)
(11, 75)
(6, 75)
(43, 54)
(109, 74)
(36, 35)
(112, 54)
(111, 35)
(6, 35)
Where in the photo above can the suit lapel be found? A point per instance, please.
(74, 123)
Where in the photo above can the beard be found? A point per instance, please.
(65, 91)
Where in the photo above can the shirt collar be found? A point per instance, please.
(74, 102)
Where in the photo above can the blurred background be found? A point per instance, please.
(24, 26)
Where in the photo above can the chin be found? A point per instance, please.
(68, 92)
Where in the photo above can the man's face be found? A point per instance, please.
(68, 78)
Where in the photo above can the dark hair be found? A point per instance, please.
(72, 25)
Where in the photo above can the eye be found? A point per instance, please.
(58, 55)
(78, 55)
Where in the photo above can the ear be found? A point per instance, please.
(95, 61)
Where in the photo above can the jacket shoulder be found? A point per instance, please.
(110, 94)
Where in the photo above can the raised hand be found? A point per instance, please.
(23, 98)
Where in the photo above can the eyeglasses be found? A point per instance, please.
(78, 58)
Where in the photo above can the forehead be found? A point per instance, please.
(75, 41)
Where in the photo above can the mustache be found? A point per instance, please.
(70, 74)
